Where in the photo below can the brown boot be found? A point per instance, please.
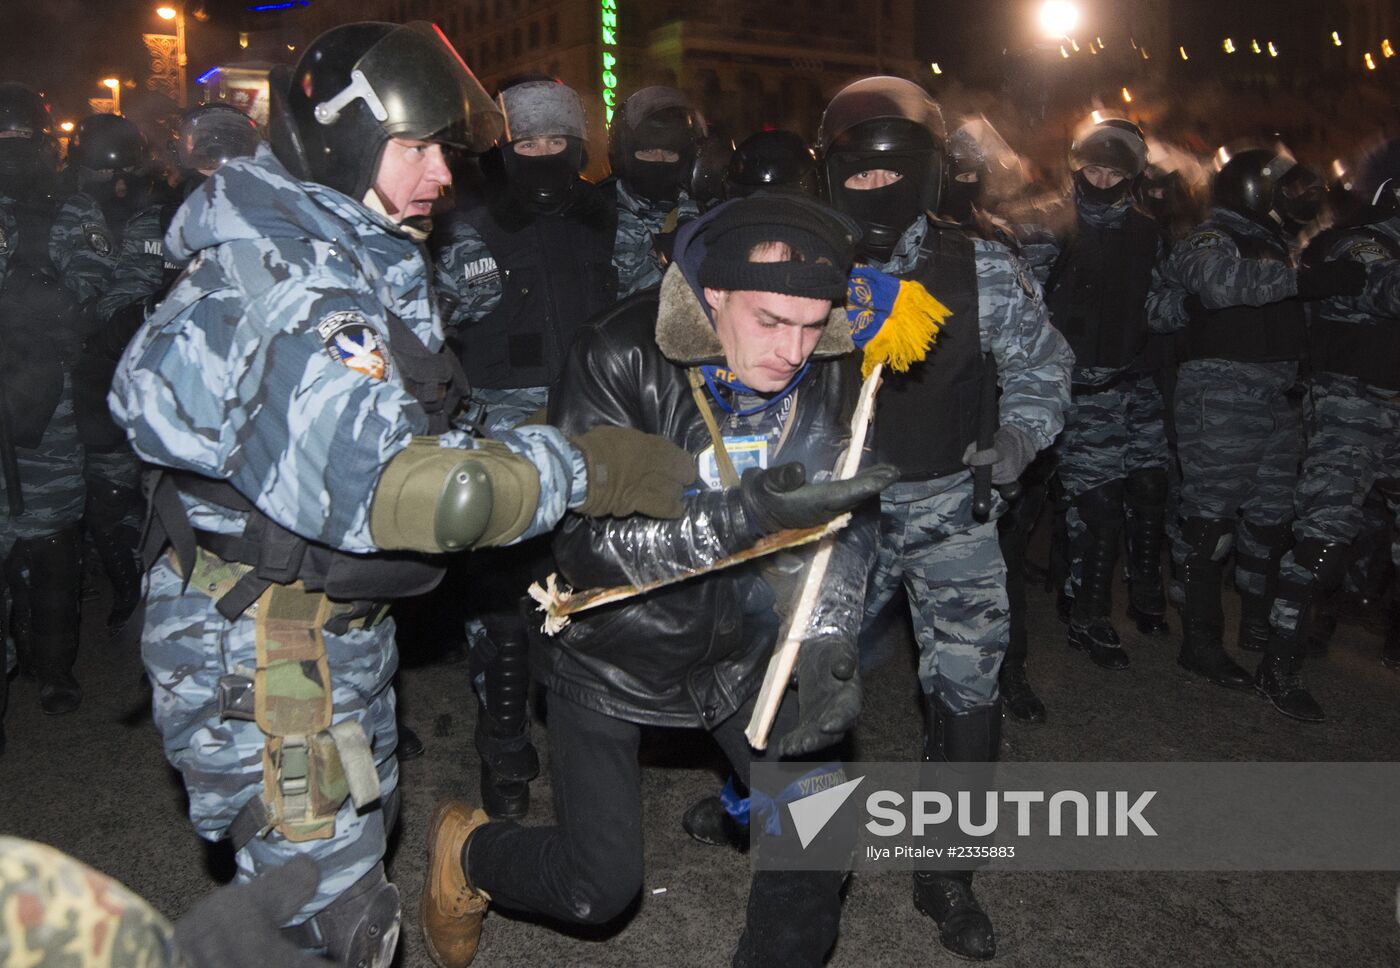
(451, 910)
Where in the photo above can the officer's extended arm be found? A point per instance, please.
(1210, 267)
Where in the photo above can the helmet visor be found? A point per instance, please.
(210, 138)
(419, 88)
(880, 99)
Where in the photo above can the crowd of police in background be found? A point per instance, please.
(1235, 391)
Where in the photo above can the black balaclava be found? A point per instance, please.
(662, 181)
(883, 213)
(961, 196)
(1101, 196)
(543, 184)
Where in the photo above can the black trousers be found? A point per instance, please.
(588, 867)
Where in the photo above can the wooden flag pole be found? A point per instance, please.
(784, 659)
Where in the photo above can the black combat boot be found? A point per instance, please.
(1254, 609)
(1091, 627)
(947, 896)
(1145, 500)
(1012, 532)
(1390, 652)
(55, 598)
(1278, 680)
(508, 759)
(108, 506)
(1203, 626)
(1254, 622)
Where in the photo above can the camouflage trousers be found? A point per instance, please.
(120, 468)
(1239, 440)
(953, 571)
(186, 646)
(1354, 442)
(1107, 435)
(51, 477)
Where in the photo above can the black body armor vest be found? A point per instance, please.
(280, 557)
(556, 274)
(926, 417)
(1248, 334)
(1097, 291)
(1368, 351)
(39, 322)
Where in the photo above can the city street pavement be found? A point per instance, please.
(95, 784)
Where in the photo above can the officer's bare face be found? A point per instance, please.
(1101, 176)
(875, 178)
(412, 174)
(767, 337)
(539, 147)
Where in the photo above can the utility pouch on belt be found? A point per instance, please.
(309, 766)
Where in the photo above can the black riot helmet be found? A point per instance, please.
(655, 119)
(1268, 186)
(772, 161)
(214, 133)
(359, 85)
(883, 123)
(537, 109)
(28, 151)
(107, 142)
(1114, 143)
(1377, 181)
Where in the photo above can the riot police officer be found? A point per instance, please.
(1113, 452)
(1237, 416)
(519, 271)
(882, 156)
(653, 144)
(1354, 439)
(311, 468)
(771, 161)
(54, 262)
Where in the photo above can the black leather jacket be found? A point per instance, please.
(693, 653)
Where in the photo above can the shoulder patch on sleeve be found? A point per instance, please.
(98, 238)
(352, 342)
(1202, 239)
(1364, 250)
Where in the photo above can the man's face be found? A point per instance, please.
(874, 178)
(541, 146)
(767, 337)
(1101, 176)
(412, 174)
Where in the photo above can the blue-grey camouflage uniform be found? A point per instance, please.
(950, 564)
(51, 475)
(239, 376)
(141, 272)
(1353, 430)
(639, 222)
(1239, 436)
(1118, 430)
(468, 283)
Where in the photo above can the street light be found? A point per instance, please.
(177, 15)
(1058, 17)
(115, 86)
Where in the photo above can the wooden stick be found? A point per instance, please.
(784, 659)
(558, 601)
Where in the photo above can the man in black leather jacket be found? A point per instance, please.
(746, 340)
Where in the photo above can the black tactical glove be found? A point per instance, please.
(1341, 277)
(631, 472)
(778, 498)
(1010, 454)
(828, 694)
(239, 926)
